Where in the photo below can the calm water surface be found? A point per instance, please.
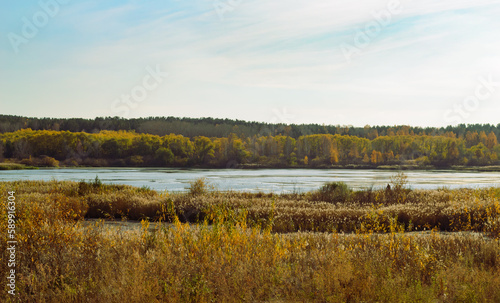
(266, 180)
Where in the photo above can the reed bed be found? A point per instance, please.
(245, 248)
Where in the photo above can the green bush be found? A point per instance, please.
(164, 156)
(333, 192)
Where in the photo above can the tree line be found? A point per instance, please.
(212, 127)
(129, 148)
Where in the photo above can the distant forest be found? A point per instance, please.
(219, 128)
(208, 142)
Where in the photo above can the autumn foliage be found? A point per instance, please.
(122, 148)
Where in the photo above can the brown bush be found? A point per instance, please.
(48, 162)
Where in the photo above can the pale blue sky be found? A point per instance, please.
(271, 61)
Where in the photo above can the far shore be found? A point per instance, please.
(489, 168)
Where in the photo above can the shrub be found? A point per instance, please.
(399, 191)
(48, 161)
(85, 188)
(365, 196)
(399, 181)
(72, 162)
(28, 161)
(493, 227)
(164, 156)
(95, 162)
(198, 187)
(136, 160)
(333, 192)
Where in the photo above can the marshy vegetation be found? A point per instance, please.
(392, 244)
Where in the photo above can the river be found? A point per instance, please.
(265, 180)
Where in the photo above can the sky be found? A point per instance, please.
(338, 62)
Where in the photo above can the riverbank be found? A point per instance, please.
(15, 166)
(406, 167)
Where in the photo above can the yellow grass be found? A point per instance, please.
(235, 255)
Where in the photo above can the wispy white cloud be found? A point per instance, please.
(264, 52)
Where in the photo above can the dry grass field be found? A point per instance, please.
(333, 245)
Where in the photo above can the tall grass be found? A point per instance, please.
(231, 256)
(416, 210)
